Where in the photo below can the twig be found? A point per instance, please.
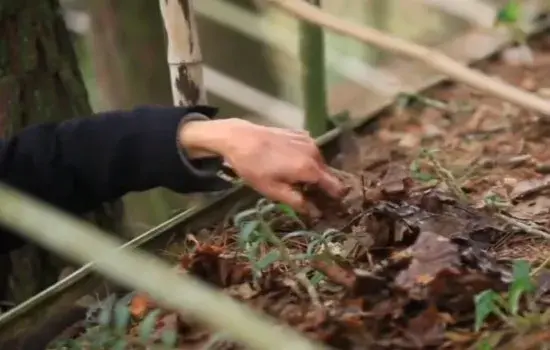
(447, 176)
(430, 57)
(84, 243)
(527, 228)
(541, 266)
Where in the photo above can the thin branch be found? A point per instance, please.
(84, 243)
(525, 227)
(430, 57)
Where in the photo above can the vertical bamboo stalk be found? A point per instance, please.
(312, 56)
(184, 52)
(184, 57)
(380, 11)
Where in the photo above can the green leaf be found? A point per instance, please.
(312, 247)
(521, 284)
(268, 208)
(510, 13)
(288, 211)
(262, 202)
(147, 326)
(316, 278)
(252, 251)
(122, 317)
(246, 233)
(296, 234)
(106, 312)
(485, 306)
(330, 233)
(243, 215)
(267, 260)
(169, 338)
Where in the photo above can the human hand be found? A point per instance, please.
(273, 161)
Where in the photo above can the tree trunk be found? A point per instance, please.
(128, 53)
(39, 82)
(129, 63)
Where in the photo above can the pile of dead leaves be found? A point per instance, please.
(414, 266)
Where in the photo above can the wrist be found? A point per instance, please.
(203, 138)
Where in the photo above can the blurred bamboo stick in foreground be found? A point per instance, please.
(434, 59)
(84, 243)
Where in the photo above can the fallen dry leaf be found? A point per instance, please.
(140, 305)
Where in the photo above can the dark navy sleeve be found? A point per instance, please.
(79, 164)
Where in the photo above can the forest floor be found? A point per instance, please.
(437, 246)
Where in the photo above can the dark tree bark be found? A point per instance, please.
(39, 81)
(128, 53)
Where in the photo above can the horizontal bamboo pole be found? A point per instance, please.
(430, 57)
(84, 243)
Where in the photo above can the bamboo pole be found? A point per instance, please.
(184, 57)
(312, 56)
(84, 243)
(430, 57)
(184, 53)
(380, 11)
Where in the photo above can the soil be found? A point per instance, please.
(444, 196)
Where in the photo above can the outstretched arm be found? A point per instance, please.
(78, 164)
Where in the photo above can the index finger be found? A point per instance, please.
(331, 184)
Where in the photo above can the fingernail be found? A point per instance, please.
(313, 211)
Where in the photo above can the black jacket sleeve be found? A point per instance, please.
(79, 164)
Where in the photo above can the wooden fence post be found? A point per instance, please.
(184, 52)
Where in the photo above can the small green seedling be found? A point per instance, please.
(508, 308)
(490, 302)
(256, 233)
(109, 330)
(418, 174)
(509, 16)
(509, 13)
(495, 201)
